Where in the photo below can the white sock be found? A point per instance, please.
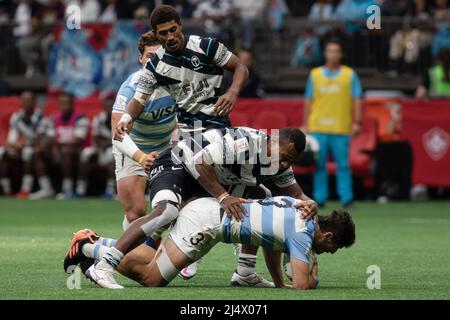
(110, 186)
(125, 223)
(111, 258)
(67, 186)
(6, 185)
(45, 184)
(81, 187)
(107, 242)
(246, 264)
(95, 250)
(27, 183)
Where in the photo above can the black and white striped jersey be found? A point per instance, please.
(193, 79)
(238, 155)
(22, 127)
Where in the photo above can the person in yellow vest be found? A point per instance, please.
(332, 114)
(436, 82)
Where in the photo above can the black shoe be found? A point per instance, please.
(75, 255)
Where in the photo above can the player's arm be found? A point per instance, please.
(200, 166)
(273, 263)
(302, 279)
(126, 145)
(226, 102)
(146, 86)
(207, 178)
(288, 185)
(223, 58)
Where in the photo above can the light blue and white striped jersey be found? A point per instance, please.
(273, 223)
(153, 129)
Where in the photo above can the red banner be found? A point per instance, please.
(427, 127)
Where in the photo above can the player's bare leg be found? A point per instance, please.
(131, 192)
(165, 265)
(165, 211)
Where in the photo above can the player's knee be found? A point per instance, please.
(164, 213)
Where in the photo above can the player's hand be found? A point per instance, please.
(225, 103)
(233, 206)
(120, 130)
(308, 208)
(149, 160)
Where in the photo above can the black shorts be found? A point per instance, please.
(167, 175)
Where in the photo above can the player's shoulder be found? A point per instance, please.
(131, 82)
(201, 45)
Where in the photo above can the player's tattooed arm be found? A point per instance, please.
(226, 102)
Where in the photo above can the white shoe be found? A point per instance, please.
(237, 249)
(103, 277)
(41, 194)
(252, 280)
(191, 270)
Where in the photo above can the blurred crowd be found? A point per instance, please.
(423, 30)
(63, 151)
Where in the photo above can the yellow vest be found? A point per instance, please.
(331, 107)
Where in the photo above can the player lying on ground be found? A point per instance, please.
(274, 223)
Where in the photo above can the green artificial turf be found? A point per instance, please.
(410, 242)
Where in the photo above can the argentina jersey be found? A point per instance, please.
(273, 223)
(153, 128)
(193, 78)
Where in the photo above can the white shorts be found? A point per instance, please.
(126, 167)
(197, 228)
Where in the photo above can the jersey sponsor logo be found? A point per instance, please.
(156, 114)
(195, 88)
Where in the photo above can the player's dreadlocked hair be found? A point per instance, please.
(162, 14)
(147, 39)
(340, 223)
(295, 136)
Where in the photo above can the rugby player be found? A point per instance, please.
(273, 223)
(191, 69)
(151, 133)
(172, 181)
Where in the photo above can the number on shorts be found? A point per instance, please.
(197, 238)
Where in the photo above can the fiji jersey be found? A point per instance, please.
(21, 127)
(237, 155)
(273, 223)
(153, 128)
(192, 78)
